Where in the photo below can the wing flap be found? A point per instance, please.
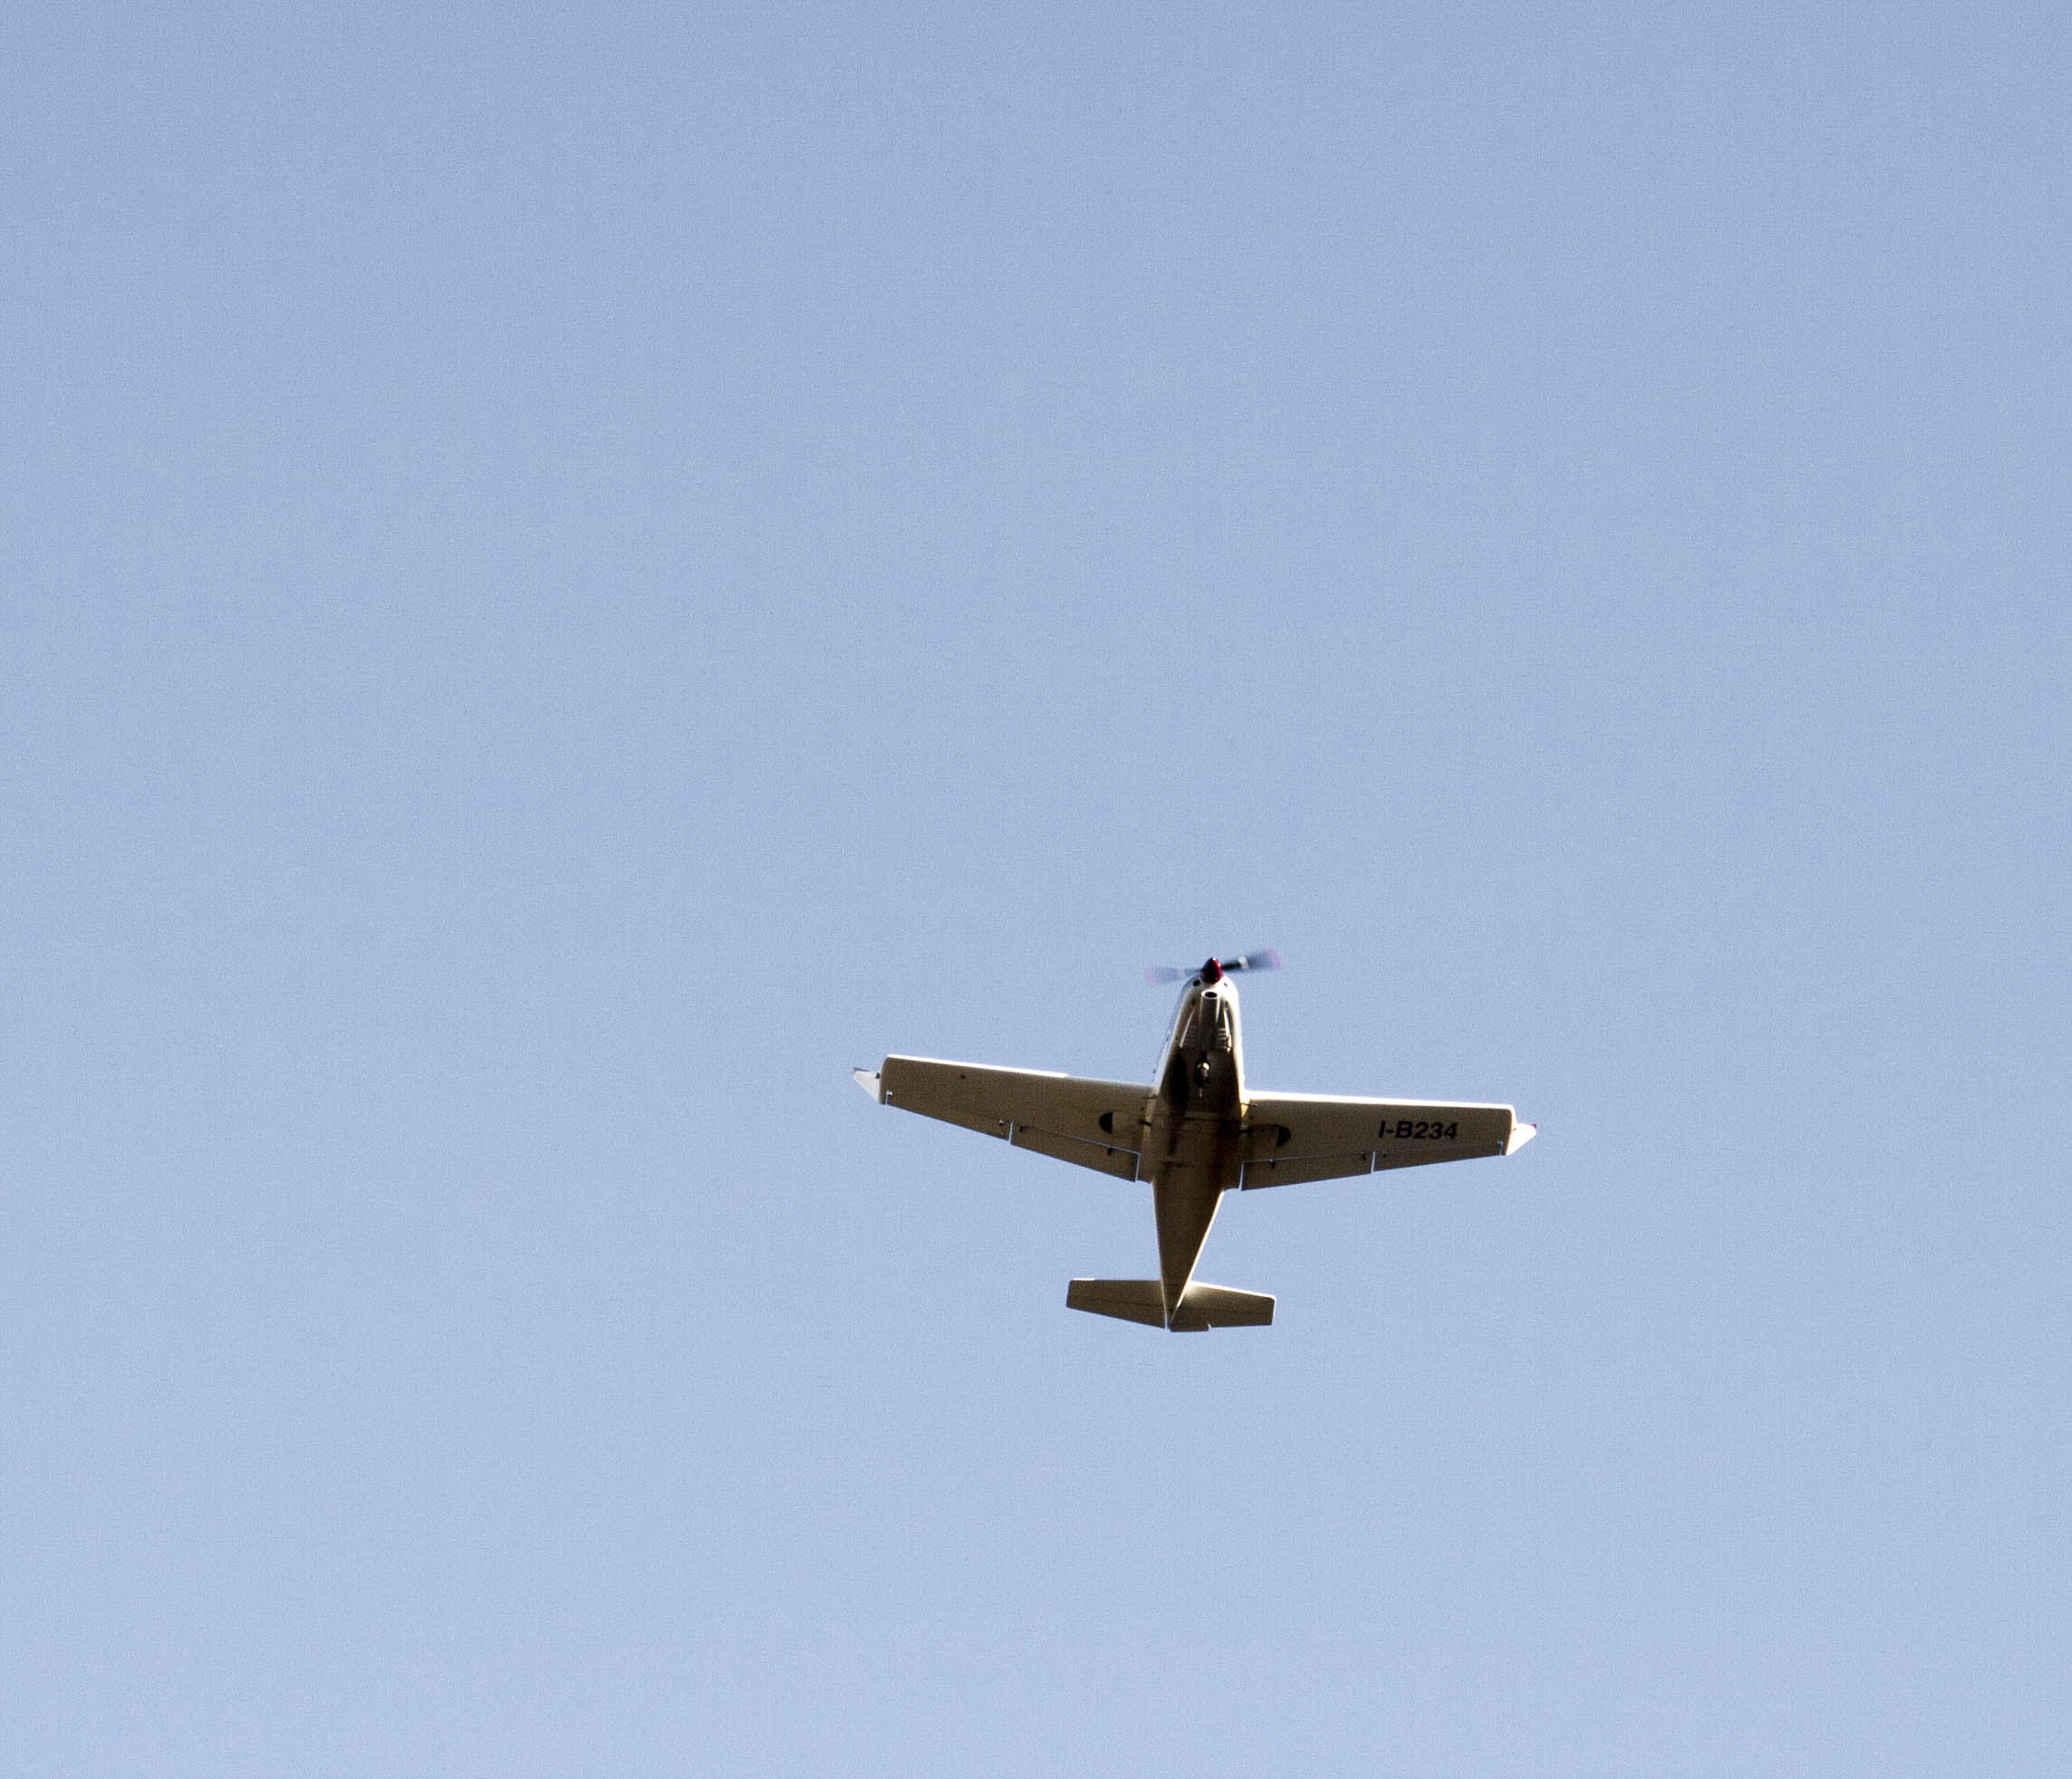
(1295, 1169)
(1104, 1157)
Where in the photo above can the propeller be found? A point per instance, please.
(1269, 959)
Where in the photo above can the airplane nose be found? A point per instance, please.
(1212, 971)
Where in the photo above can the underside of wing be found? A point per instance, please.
(1293, 1137)
(1097, 1124)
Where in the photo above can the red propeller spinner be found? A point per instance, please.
(1217, 968)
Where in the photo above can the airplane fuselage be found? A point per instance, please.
(1193, 1148)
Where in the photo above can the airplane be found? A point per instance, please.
(1194, 1133)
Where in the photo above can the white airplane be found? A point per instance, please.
(1193, 1134)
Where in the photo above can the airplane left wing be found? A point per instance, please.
(1293, 1137)
(1097, 1124)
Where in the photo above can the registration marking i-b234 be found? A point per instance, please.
(1408, 1129)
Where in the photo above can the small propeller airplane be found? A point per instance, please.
(1193, 1134)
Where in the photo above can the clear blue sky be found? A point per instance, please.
(570, 573)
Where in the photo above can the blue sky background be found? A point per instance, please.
(571, 574)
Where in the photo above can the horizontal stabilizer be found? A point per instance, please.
(1132, 1300)
(1217, 1306)
(1140, 1300)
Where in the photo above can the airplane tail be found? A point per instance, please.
(1200, 1305)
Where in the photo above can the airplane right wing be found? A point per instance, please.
(1293, 1137)
(1097, 1124)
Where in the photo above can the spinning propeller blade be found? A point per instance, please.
(1269, 959)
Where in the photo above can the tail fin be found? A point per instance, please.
(1202, 1305)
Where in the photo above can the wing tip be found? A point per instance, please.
(868, 1080)
(1522, 1134)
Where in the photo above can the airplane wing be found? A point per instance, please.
(1293, 1137)
(1097, 1124)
